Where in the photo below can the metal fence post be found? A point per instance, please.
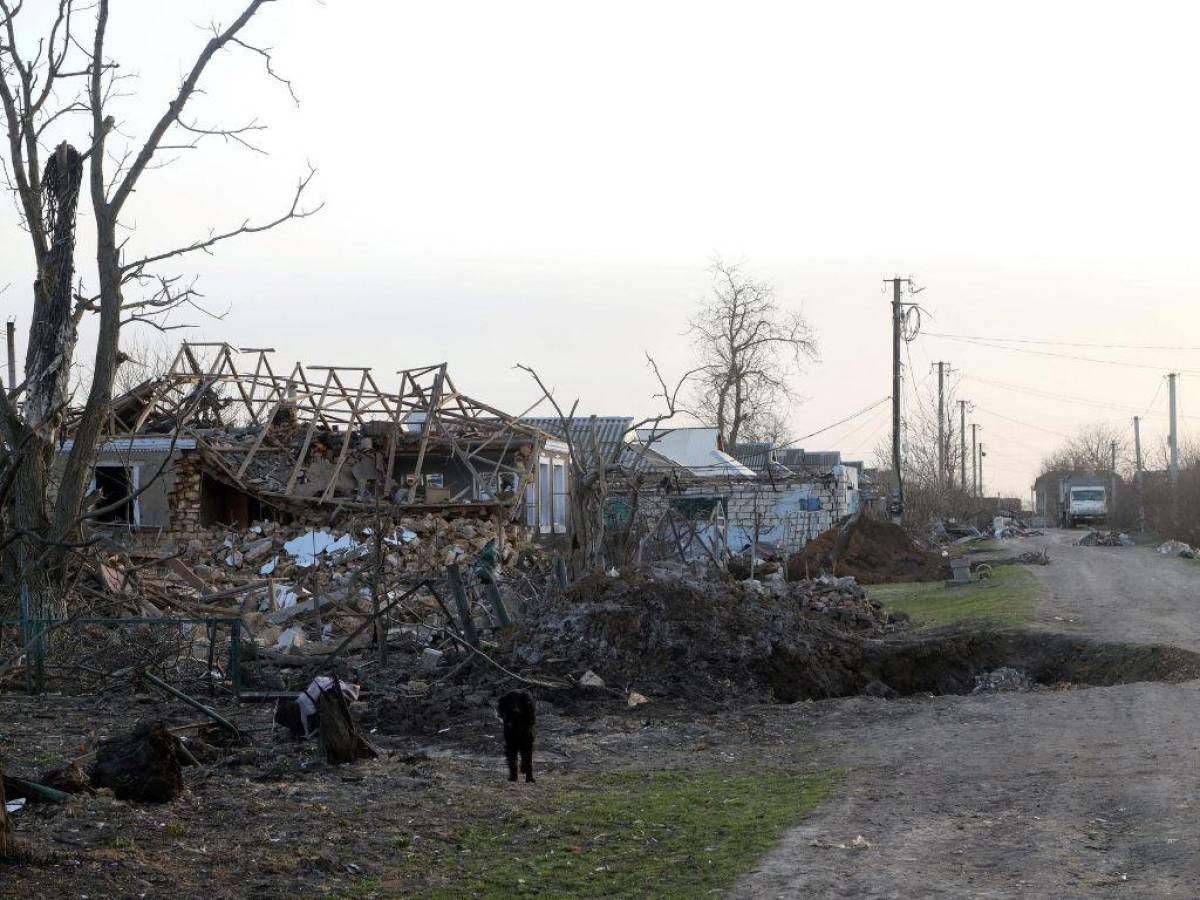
(235, 656)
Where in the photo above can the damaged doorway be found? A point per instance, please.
(223, 504)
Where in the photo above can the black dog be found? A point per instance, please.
(516, 709)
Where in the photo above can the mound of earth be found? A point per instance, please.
(699, 641)
(869, 550)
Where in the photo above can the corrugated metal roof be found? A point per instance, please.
(755, 454)
(609, 433)
(137, 445)
(821, 460)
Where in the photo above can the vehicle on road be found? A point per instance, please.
(1083, 500)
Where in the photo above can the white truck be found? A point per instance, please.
(1082, 499)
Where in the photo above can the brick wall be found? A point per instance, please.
(787, 513)
(183, 501)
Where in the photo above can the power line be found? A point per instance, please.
(1050, 395)
(983, 337)
(1106, 362)
(1157, 391)
(1025, 424)
(855, 415)
(872, 424)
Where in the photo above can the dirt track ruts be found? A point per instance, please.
(1077, 793)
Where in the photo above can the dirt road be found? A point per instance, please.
(1118, 593)
(1077, 793)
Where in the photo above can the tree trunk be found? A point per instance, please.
(10, 850)
(35, 556)
(587, 524)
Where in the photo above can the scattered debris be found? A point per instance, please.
(1002, 679)
(1177, 548)
(1106, 539)
(1029, 558)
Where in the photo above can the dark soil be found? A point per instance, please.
(870, 550)
(700, 643)
(697, 642)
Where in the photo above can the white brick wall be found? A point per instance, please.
(779, 509)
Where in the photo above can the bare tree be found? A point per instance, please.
(1089, 451)
(592, 469)
(143, 357)
(926, 497)
(747, 349)
(48, 83)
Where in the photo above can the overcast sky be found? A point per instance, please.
(546, 183)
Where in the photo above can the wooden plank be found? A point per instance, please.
(180, 568)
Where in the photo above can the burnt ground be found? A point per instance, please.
(273, 821)
(1057, 791)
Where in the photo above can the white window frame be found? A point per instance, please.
(135, 483)
(558, 488)
(531, 507)
(545, 495)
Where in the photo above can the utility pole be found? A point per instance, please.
(1137, 471)
(1174, 430)
(1137, 446)
(941, 424)
(1112, 503)
(981, 456)
(898, 305)
(962, 445)
(974, 463)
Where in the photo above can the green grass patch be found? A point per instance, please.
(675, 833)
(1007, 598)
(990, 545)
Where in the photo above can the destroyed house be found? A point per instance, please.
(223, 440)
(689, 485)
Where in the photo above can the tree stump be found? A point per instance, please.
(340, 741)
(140, 766)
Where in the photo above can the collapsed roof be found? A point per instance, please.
(266, 433)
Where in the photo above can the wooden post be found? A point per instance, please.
(454, 574)
(376, 578)
(493, 595)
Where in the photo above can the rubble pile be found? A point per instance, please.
(296, 590)
(1177, 548)
(415, 545)
(1105, 539)
(695, 640)
(871, 551)
(1012, 527)
(1001, 680)
(843, 600)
